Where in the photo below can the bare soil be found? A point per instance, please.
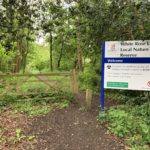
(74, 128)
(10, 122)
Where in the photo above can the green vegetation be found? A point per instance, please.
(129, 122)
(30, 109)
(89, 78)
(39, 104)
(73, 32)
(38, 59)
(25, 85)
(19, 136)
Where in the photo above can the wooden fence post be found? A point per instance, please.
(88, 98)
(74, 82)
(149, 98)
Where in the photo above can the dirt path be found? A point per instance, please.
(72, 129)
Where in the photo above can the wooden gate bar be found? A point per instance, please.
(5, 82)
(26, 94)
(45, 74)
(15, 88)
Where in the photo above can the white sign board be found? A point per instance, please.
(127, 65)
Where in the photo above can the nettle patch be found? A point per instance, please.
(39, 104)
(131, 123)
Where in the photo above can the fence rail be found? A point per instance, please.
(42, 74)
(12, 84)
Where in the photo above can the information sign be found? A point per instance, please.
(125, 65)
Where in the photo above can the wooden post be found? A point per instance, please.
(148, 96)
(88, 98)
(74, 82)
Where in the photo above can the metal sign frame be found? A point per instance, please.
(132, 60)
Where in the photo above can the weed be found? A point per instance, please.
(19, 136)
(129, 122)
(63, 105)
(31, 109)
(39, 104)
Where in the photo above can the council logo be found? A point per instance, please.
(148, 83)
(113, 47)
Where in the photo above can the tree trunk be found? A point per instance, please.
(17, 57)
(51, 51)
(79, 53)
(60, 56)
(26, 52)
(24, 62)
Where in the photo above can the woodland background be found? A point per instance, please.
(40, 36)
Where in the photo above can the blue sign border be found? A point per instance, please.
(115, 60)
(102, 96)
(143, 60)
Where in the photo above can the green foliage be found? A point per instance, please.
(94, 21)
(39, 58)
(17, 25)
(6, 101)
(39, 104)
(89, 78)
(130, 122)
(19, 136)
(128, 97)
(31, 109)
(145, 147)
(119, 124)
(63, 105)
(6, 58)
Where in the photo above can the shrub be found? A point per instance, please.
(130, 122)
(89, 79)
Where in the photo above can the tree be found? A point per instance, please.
(17, 26)
(52, 22)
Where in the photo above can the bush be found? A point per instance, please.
(89, 78)
(37, 104)
(6, 59)
(130, 122)
(128, 97)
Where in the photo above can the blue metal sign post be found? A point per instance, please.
(102, 96)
